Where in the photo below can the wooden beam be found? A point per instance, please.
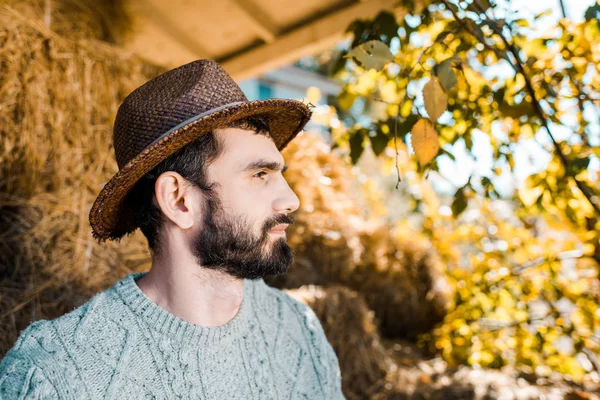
(308, 39)
(173, 30)
(260, 22)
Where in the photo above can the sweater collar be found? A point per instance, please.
(169, 324)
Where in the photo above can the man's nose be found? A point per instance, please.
(287, 201)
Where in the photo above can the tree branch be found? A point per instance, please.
(587, 192)
(562, 8)
(517, 65)
(565, 255)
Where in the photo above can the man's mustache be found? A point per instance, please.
(278, 219)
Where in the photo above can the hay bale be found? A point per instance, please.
(351, 329)
(401, 279)
(59, 98)
(107, 20)
(400, 276)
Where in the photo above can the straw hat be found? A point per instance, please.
(170, 111)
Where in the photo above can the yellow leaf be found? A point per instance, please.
(388, 90)
(436, 101)
(529, 195)
(406, 108)
(474, 78)
(425, 141)
(346, 100)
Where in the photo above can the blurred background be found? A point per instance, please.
(449, 230)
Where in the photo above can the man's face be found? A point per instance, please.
(236, 232)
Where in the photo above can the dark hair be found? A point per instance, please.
(191, 163)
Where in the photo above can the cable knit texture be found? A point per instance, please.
(122, 345)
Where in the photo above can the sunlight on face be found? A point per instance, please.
(250, 173)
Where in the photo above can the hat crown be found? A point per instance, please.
(168, 100)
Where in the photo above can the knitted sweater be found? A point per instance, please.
(122, 345)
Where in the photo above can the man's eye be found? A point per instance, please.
(258, 174)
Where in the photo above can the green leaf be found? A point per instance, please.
(464, 46)
(571, 214)
(386, 24)
(337, 64)
(446, 74)
(459, 204)
(468, 140)
(515, 111)
(379, 142)
(405, 126)
(373, 54)
(356, 27)
(356, 145)
(489, 188)
(486, 182)
(576, 166)
(593, 12)
(539, 202)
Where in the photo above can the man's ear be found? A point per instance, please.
(175, 198)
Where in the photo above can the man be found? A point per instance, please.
(200, 173)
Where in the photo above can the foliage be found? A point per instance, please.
(525, 264)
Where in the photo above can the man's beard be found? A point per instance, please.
(228, 244)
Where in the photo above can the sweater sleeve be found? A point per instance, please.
(21, 379)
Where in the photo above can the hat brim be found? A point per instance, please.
(108, 219)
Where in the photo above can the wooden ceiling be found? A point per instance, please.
(247, 37)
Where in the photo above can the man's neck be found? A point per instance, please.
(197, 295)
